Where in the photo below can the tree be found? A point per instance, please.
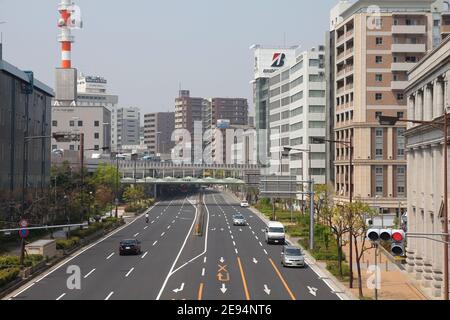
(359, 212)
(337, 220)
(105, 176)
(134, 194)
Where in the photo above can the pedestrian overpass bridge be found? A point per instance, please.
(184, 181)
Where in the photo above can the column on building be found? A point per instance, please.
(419, 106)
(411, 110)
(419, 213)
(411, 248)
(428, 223)
(439, 99)
(428, 103)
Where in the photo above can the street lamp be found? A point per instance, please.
(287, 151)
(441, 124)
(348, 144)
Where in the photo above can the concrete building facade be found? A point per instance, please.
(25, 111)
(428, 96)
(297, 117)
(374, 44)
(128, 127)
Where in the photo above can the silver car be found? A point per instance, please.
(292, 257)
(239, 220)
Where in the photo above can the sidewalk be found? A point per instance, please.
(395, 284)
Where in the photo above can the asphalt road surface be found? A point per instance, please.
(227, 263)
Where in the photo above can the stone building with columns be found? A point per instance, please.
(428, 98)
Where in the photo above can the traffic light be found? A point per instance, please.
(395, 237)
(398, 242)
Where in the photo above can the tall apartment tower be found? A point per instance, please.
(372, 45)
(158, 132)
(298, 117)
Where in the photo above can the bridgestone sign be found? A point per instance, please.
(280, 187)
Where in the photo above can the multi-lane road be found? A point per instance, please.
(227, 263)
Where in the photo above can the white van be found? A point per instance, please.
(275, 233)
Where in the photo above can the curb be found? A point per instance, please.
(336, 286)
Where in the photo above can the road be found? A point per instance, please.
(227, 263)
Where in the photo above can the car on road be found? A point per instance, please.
(244, 204)
(292, 257)
(239, 220)
(275, 233)
(131, 246)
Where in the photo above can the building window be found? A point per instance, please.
(54, 147)
(378, 96)
(80, 123)
(72, 147)
(97, 148)
(379, 78)
(97, 124)
(72, 123)
(401, 181)
(97, 135)
(400, 96)
(378, 114)
(54, 123)
(401, 143)
(378, 59)
(379, 144)
(379, 181)
(379, 41)
(316, 93)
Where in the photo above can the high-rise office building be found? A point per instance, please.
(297, 117)
(267, 61)
(372, 45)
(128, 127)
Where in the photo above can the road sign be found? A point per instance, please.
(23, 223)
(24, 233)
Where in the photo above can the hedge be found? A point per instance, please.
(333, 267)
(13, 261)
(67, 244)
(8, 275)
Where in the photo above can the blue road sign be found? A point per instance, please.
(24, 233)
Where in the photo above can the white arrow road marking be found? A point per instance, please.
(129, 272)
(224, 288)
(313, 291)
(267, 290)
(109, 296)
(60, 297)
(222, 260)
(179, 290)
(255, 261)
(92, 271)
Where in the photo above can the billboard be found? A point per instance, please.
(270, 60)
(223, 124)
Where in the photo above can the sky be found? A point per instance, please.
(146, 49)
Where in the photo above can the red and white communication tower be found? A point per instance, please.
(70, 18)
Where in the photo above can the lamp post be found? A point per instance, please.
(348, 144)
(287, 150)
(441, 124)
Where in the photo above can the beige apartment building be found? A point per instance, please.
(372, 46)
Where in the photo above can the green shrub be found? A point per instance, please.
(14, 261)
(67, 244)
(333, 267)
(8, 275)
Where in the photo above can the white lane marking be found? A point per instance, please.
(179, 254)
(129, 272)
(234, 243)
(204, 260)
(236, 250)
(136, 235)
(91, 272)
(203, 272)
(162, 234)
(232, 237)
(260, 244)
(168, 227)
(153, 221)
(60, 297)
(253, 232)
(154, 243)
(173, 221)
(109, 257)
(265, 251)
(257, 238)
(109, 296)
(146, 228)
(145, 254)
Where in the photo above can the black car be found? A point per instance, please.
(132, 246)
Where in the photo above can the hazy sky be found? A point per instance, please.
(146, 48)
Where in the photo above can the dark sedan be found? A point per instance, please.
(132, 246)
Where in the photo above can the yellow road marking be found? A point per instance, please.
(282, 280)
(200, 292)
(244, 282)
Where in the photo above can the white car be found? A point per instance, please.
(244, 204)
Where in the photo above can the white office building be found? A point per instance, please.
(297, 117)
